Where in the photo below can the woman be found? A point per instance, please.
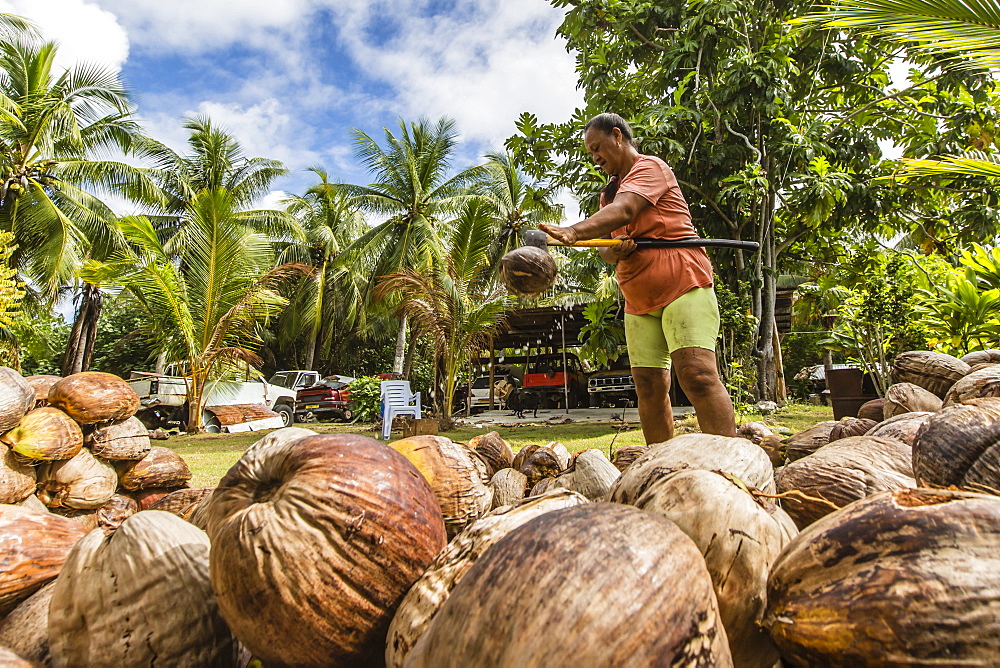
(671, 314)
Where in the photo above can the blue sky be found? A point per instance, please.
(291, 78)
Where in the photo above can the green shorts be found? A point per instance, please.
(690, 321)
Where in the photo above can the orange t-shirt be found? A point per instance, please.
(651, 278)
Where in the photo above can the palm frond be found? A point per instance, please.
(965, 32)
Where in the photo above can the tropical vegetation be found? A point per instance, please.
(780, 121)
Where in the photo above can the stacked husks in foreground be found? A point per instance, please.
(864, 542)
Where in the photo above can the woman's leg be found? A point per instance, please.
(698, 374)
(652, 388)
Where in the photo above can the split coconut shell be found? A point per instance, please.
(960, 446)
(33, 548)
(430, 592)
(740, 536)
(452, 474)
(540, 464)
(315, 543)
(16, 398)
(126, 439)
(906, 577)
(935, 372)
(94, 396)
(118, 509)
(45, 434)
(161, 467)
(737, 456)
(180, 500)
(842, 472)
(568, 608)
(139, 597)
(83, 482)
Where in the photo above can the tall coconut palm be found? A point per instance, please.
(520, 204)
(207, 304)
(51, 131)
(328, 301)
(56, 125)
(458, 304)
(965, 34)
(414, 194)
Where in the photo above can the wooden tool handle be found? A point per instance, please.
(664, 243)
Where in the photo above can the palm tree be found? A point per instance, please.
(49, 131)
(458, 304)
(207, 304)
(414, 194)
(520, 204)
(965, 35)
(328, 300)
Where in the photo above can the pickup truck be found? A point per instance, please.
(229, 405)
(614, 388)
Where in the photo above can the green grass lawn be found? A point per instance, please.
(210, 455)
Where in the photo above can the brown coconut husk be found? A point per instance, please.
(83, 482)
(17, 479)
(523, 454)
(842, 472)
(990, 356)
(904, 577)
(980, 384)
(119, 587)
(16, 398)
(348, 526)
(431, 591)
(126, 439)
(527, 271)
(591, 475)
(740, 536)
(900, 427)
(960, 446)
(161, 467)
(45, 434)
(808, 441)
(26, 629)
(34, 546)
(509, 487)
(909, 398)
(542, 463)
(624, 457)
(494, 450)
(851, 426)
(641, 620)
(94, 396)
(935, 372)
(453, 475)
(180, 500)
(41, 385)
(872, 410)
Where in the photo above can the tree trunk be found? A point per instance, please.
(80, 347)
(764, 350)
(196, 393)
(312, 344)
(408, 361)
(399, 358)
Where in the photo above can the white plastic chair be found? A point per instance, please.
(397, 400)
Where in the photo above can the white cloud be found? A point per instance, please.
(272, 200)
(203, 25)
(85, 32)
(482, 64)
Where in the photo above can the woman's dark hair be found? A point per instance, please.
(606, 123)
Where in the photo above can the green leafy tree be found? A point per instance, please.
(773, 132)
(206, 305)
(52, 127)
(414, 194)
(457, 305)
